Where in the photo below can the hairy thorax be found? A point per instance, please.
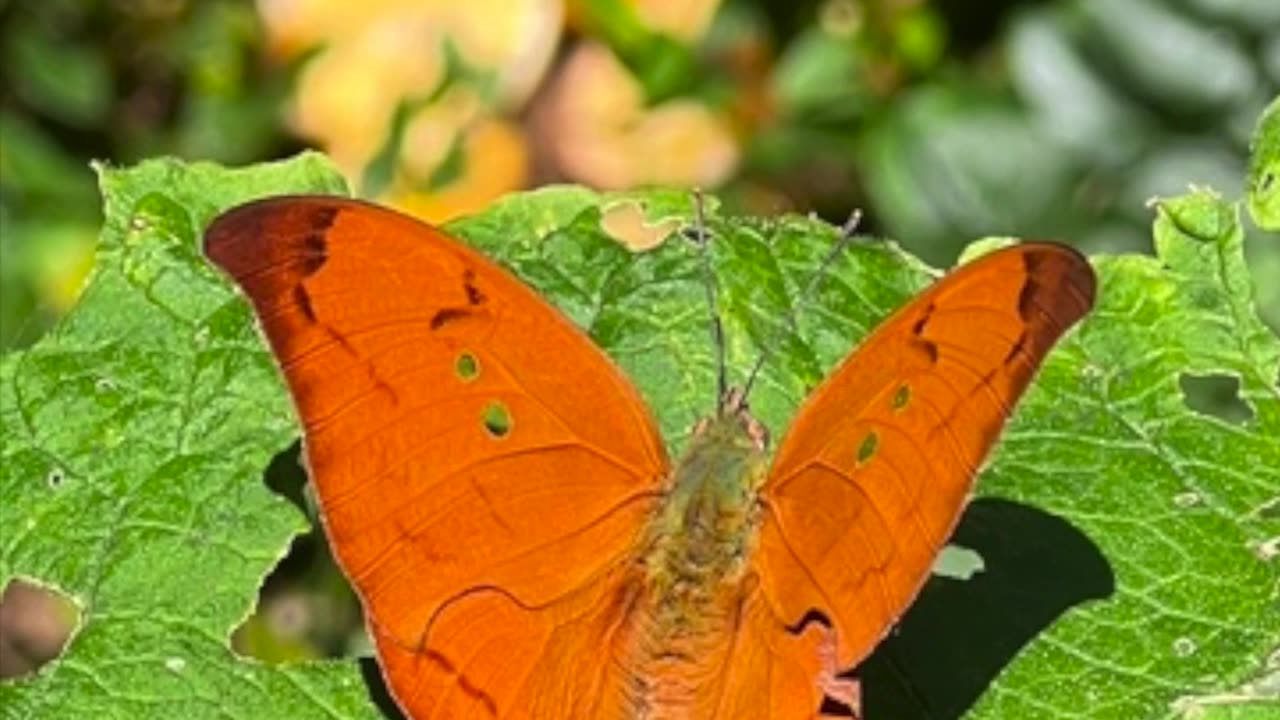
(683, 628)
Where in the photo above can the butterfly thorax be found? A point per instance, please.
(696, 567)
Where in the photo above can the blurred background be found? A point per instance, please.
(942, 120)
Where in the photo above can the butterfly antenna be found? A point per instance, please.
(789, 321)
(713, 302)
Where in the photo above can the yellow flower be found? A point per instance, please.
(684, 20)
(599, 132)
(495, 161)
(378, 54)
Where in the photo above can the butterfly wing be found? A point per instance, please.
(873, 474)
(481, 466)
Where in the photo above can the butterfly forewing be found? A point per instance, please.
(481, 466)
(870, 479)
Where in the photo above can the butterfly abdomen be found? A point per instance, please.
(675, 650)
(680, 635)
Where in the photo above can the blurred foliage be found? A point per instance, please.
(1264, 170)
(117, 81)
(942, 120)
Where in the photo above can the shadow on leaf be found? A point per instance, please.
(378, 691)
(959, 635)
(306, 608)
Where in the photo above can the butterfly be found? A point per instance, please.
(500, 497)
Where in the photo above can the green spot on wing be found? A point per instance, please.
(496, 419)
(867, 449)
(902, 397)
(467, 367)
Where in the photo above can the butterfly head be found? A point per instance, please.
(734, 413)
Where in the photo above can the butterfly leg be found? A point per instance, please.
(844, 690)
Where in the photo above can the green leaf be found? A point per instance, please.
(135, 437)
(1182, 505)
(1264, 170)
(136, 434)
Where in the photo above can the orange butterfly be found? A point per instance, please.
(499, 495)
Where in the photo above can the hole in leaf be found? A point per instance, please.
(306, 608)
(36, 622)
(1216, 395)
(497, 419)
(902, 397)
(1184, 647)
(867, 449)
(626, 222)
(467, 367)
(55, 478)
(958, 563)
